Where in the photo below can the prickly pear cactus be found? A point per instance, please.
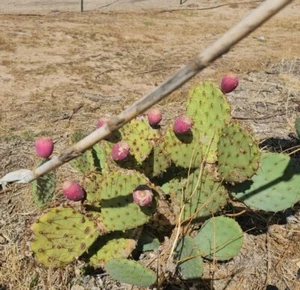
(147, 242)
(113, 245)
(184, 150)
(220, 238)
(185, 172)
(189, 259)
(201, 196)
(86, 162)
(238, 154)
(61, 235)
(139, 135)
(156, 163)
(275, 187)
(100, 159)
(111, 198)
(130, 272)
(43, 188)
(210, 110)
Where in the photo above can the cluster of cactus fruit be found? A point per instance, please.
(186, 172)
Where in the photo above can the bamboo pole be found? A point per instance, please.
(251, 22)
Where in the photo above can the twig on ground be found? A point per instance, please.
(98, 97)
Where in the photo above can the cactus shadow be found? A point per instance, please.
(199, 284)
(257, 223)
(115, 137)
(173, 172)
(278, 145)
(186, 138)
(123, 201)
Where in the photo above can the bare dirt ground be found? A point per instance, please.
(60, 71)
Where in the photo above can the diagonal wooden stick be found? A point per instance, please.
(256, 18)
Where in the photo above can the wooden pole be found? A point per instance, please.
(81, 6)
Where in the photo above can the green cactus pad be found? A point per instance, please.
(43, 188)
(130, 272)
(184, 150)
(220, 238)
(201, 196)
(111, 198)
(145, 151)
(139, 135)
(85, 162)
(190, 263)
(210, 110)
(114, 245)
(238, 154)
(173, 186)
(175, 181)
(275, 187)
(147, 242)
(61, 235)
(156, 163)
(100, 159)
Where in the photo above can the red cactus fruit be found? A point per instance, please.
(229, 83)
(143, 196)
(154, 116)
(44, 147)
(182, 124)
(73, 191)
(120, 151)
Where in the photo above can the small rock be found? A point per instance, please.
(261, 39)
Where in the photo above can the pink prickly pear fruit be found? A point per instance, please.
(44, 147)
(229, 83)
(182, 124)
(154, 116)
(120, 151)
(143, 195)
(73, 191)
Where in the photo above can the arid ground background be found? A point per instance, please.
(61, 70)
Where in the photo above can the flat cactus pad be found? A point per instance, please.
(210, 110)
(238, 154)
(130, 272)
(220, 238)
(190, 263)
(61, 235)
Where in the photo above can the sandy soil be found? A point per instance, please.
(60, 70)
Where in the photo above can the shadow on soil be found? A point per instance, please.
(258, 222)
(287, 145)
